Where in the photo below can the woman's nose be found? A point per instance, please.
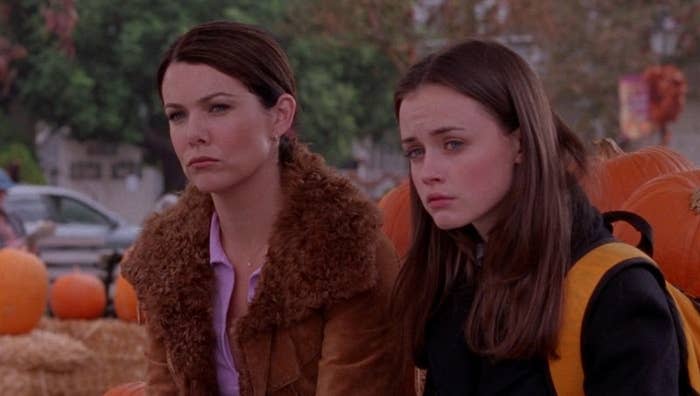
(197, 130)
(432, 169)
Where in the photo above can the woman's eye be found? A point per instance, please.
(175, 116)
(453, 144)
(413, 153)
(218, 108)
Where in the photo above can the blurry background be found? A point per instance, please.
(79, 107)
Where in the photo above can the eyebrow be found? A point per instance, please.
(203, 99)
(434, 132)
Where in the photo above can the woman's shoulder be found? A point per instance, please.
(325, 208)
(630, 338)
(630, 300)
(632, 282)
(387, 262)
(166, 236)
(312, 185)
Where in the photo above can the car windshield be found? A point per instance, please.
(59, 209)
(29, 208)
(68, 210)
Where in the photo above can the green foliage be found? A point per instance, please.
(345, 93)
(19, 154)
(107, 90)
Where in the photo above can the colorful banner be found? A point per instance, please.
(633, 92)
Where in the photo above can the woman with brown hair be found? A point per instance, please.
(499, 219)
(269, 276)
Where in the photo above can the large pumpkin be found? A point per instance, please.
(615, 175)
(23, 288)
(671, 204)
(78, 296)
(125, 302)
(396, 214)
(129, 389)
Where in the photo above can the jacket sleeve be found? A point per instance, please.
(159, 380)
(629, 340)
(358, 355)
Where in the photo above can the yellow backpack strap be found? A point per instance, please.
(690, 319)
(567, 370)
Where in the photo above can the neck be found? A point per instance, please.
(247, 214)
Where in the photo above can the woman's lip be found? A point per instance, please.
(439, 202)
(201, 163)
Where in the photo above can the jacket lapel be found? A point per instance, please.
(321, 251)
(253, 362)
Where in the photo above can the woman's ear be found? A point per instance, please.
(516, 139)
(283, 113)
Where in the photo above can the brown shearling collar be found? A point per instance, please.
(321, 251)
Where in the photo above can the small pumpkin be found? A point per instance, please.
(78, 295)
(671, 204)
(614, 175)
(24, 285)
(396, 213)
(125, 302)
(128, 389)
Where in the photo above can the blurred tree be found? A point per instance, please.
(344, 87)
(386, 25)
(579, 48)
(91, 66)
(18, 156)
(344, 94)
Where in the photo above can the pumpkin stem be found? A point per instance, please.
(607, 148)
(695, 201)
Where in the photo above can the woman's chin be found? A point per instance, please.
(448, 224)
(210, 187)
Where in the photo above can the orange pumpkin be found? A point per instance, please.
(613, 177)
(24, 284)
(396, 213)
(78, 296)
(129, 389)
(125, 302)
(671, 204)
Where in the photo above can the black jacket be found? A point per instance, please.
(629, 340)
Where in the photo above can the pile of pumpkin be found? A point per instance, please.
(657, 183)
(75, 352)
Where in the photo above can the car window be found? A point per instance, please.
(27, 207)
(69, 210)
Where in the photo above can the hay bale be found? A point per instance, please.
(43, 350)
(115, 355)
(119, 348)
(17, 382)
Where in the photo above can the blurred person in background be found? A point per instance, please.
(269, 276)
(164, 202)
(11, 228)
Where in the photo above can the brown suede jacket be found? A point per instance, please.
(317, 324)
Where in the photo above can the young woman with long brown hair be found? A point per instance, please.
(499, 219)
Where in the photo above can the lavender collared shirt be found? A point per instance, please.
(226, 373)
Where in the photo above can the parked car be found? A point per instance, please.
(86, 234)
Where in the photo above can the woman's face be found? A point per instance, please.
(220, 131)
(461, 159)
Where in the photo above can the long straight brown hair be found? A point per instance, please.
(517, 301)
